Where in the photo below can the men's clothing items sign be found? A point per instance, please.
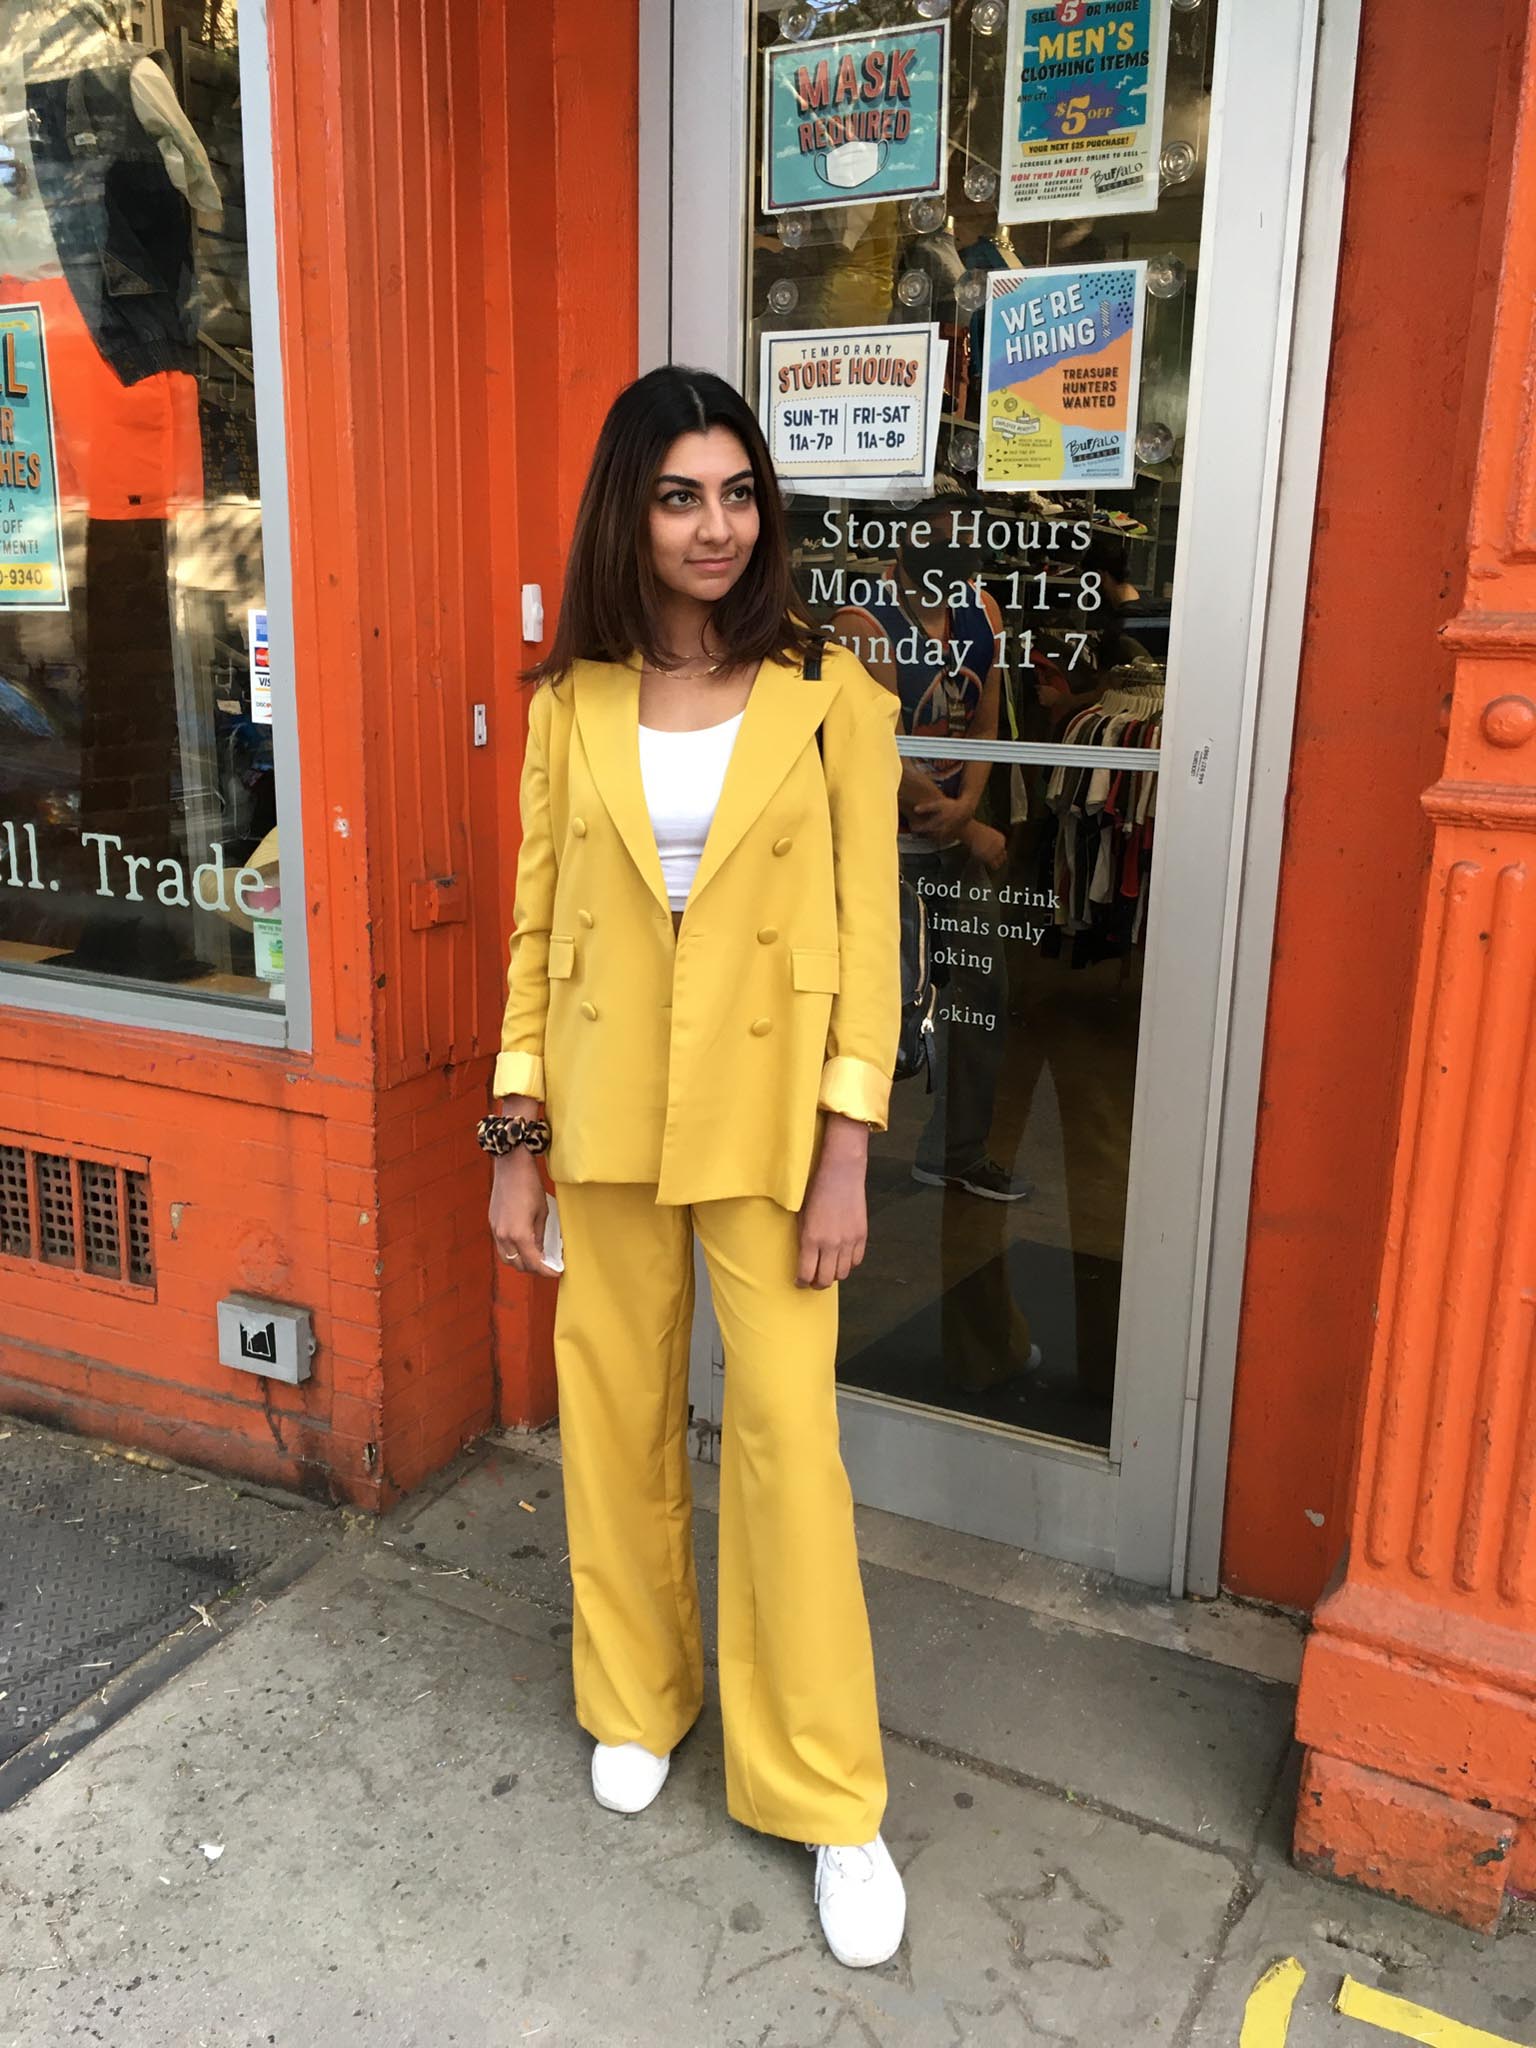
(1062, 364)
(31, 531)
(856, 117)
(850, 411)
(1083, 108)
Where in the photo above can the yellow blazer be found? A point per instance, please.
(698, 1060)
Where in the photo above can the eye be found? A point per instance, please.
(676, 497)
(743, 494)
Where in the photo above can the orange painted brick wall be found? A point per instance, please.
(263, 1180)
(1404, 403)
(571, 285)
(436, 440)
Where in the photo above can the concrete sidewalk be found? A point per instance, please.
(362, 1816)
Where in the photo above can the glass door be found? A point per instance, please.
(1007, 285)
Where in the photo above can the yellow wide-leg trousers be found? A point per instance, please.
(797, 1682)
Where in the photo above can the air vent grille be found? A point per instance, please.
(15, 1210)
(86, 1213)
(55, 1208)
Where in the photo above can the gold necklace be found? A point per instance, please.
(689, 675)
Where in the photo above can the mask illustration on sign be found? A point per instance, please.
(851, 164)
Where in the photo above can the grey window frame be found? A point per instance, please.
(108, 1002)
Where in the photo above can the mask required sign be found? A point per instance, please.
(856, 117)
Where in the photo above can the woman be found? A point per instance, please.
(704, 993)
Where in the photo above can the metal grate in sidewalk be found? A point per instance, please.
(101, 1558)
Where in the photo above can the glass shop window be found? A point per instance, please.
(138, 835)
(972, 269)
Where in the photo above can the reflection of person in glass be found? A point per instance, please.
(103, 179)
(932, 634)
(712, 1073)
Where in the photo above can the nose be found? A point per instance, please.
(713, 523)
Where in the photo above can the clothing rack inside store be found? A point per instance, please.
(1103, 793)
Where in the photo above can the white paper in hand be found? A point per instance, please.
(554, 1247)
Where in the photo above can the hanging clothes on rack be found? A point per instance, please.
(1101, 855)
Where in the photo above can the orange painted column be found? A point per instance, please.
(1429, 147)
(1418, 1696)
(562, 276)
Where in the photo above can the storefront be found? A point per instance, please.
(250, 926)
(1086, 338)
(1024, 1353)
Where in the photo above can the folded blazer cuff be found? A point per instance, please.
(519, 1073)
(856, 1088)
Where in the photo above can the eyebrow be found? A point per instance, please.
(667, 477)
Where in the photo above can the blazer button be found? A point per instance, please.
(782, 846)
(767, 935)
(761, 1026)
(584, 917)
(589, 1011)
(579, 828)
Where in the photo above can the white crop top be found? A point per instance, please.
(683, 774)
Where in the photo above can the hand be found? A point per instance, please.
(988, 845)
(942, 817)
(834, 1220)
(519, 1209)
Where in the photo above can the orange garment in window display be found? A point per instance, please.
(125, 451)
(105, 178)
(858, 284)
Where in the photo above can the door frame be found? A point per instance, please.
(1150, 1508)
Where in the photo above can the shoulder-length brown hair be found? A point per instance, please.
(611, 603)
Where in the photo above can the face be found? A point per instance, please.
(704, 517)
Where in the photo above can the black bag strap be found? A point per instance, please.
(810, 668)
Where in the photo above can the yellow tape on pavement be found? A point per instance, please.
(1408, 2021)
(1267, 2015)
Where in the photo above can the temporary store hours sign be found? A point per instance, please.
(856, 118)
(31, 530)
(1083, 110)
(852, 411)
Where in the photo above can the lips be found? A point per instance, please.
(714, 562)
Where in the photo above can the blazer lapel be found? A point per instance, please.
(608, 719)
(782, 714)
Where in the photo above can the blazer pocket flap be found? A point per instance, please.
(562, 959)
(814, 970)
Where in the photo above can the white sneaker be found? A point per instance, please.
(863, 1903)
(626, 1777)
